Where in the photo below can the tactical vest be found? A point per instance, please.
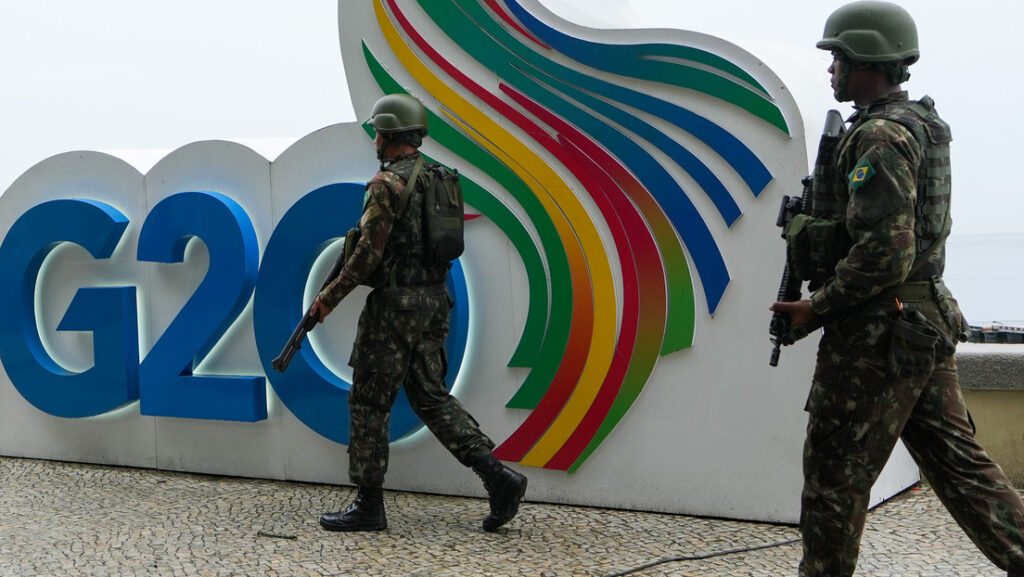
(402, 263)
(830, 191)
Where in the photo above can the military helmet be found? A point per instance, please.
(872, 31)
(398, 113)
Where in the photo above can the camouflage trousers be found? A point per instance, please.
(857, 413)
(400, 342)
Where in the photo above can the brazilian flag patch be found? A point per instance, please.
(861, 174)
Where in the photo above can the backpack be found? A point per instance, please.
(443, 210)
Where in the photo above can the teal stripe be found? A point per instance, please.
(663, 63)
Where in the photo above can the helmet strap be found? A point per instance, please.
(397, 140)
(843, 80)
(898, 72)
(387, 141)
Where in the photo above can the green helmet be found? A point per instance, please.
(872, 31)
(398, 113)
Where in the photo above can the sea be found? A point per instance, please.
(985, 272)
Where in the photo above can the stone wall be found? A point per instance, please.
(992, 379)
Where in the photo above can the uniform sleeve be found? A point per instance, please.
(879, 217)
(375, 228)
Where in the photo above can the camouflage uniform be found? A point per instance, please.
(857, 409)
(401, 333)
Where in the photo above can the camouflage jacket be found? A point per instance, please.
(390, 244)
(375, 225)
(879, 159)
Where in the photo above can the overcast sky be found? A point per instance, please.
(129, 74)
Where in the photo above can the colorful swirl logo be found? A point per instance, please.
(590, 351)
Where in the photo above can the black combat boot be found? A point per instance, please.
(366, 513)
(505, 488)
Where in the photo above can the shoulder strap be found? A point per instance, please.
(403, 201)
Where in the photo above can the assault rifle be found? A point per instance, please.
(310, 319)
(790, 288)
(781, 329)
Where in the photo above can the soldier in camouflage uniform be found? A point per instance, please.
(401, 334)
(886, 186)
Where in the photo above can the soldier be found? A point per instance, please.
(885, 368)
(401, 333)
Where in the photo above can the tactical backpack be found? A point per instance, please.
(439, 221)
(443, 210)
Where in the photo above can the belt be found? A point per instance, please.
(920, 291)
(416, 289)
(908, 292)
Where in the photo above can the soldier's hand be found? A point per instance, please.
(320, 309)
(800, 312)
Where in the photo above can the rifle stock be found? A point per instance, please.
(309, 320)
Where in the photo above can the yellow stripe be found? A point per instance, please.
(548, 187)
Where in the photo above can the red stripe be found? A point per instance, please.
(643, 254)
(568, 373)
(615, 208)
(497, 9)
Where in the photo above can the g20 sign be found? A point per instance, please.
(163, 381)
(613, 170)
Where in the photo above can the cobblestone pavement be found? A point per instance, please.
(71, 519)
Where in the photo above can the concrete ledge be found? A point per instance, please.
(990, 367)
(992, 380)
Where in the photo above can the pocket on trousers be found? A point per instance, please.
(375, 348)
(434, 359)
(840, 399)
